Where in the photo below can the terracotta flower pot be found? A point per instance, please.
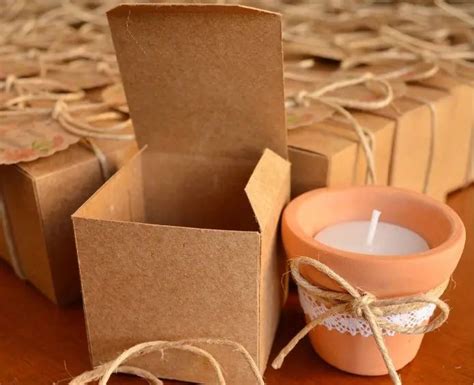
(383, 276)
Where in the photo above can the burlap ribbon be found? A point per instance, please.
(105, 371)
(364, 305)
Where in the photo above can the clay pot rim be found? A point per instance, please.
(454, 237)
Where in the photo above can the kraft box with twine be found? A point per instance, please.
(330, 146)
(183, 241)
(431, 151)
(62, 134)
(418, 140)
(37, 200)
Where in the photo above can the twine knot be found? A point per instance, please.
(364, 305)
(59, 108)
(301, 98)
(10, 82)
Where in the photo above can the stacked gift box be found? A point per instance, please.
(431, 150)
(63, 134)
(181, 238)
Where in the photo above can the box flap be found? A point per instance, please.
(204, 80)
(271, 175)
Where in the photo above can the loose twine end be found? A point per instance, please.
(103, 372)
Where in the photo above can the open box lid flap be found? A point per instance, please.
(268, 188)
(202, 80)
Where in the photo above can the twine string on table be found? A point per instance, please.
(364, 305)
(97, 373)
(105, 371)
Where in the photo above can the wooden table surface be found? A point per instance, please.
(43, 344)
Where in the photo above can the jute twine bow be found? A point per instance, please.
(304, 97)
(105, 371)
(363, 305)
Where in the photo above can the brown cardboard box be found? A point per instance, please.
(429, 154)
(444, 123)
(457, 159)
(470, 167)
(324, 147)
(329, 153)
(182, 242)
(39, 198)
(320, 159)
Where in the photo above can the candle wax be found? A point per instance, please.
(389, 239)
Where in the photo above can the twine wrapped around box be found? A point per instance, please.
(303, 98)
(341, 105)
(51, 55)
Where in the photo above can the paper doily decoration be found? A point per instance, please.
(26, 138)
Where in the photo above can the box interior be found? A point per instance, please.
(205, 129)
(177, 191)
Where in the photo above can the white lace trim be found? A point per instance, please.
(348, 323)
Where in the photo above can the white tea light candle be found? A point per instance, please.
(372, 237)
(407, 274)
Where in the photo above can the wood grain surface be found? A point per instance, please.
(43, 344)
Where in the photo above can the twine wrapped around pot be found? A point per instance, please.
(366, 306)
(105, 371)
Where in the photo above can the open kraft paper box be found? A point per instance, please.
(183, 241)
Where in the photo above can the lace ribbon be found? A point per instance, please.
(363, 305)
(348, 323)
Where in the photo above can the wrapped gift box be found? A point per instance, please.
(39, 198)
(430, 126)
(329, 153)
(324, 148)
(183, 241)
(431, 141)
(458, 140)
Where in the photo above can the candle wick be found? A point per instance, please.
(374, 221)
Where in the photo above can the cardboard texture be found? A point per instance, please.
(328, 152)
(449, 104)
(417, 141)
(458, 153)
(40, 197)
(182, 242)
(430, 126)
